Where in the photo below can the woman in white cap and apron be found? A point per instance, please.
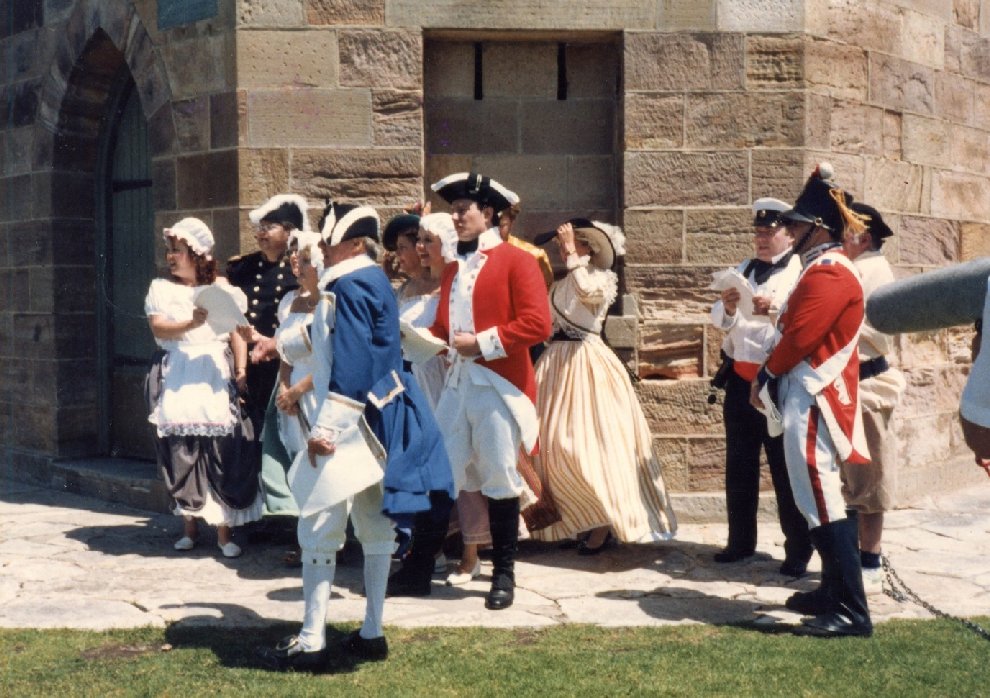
(193, 395)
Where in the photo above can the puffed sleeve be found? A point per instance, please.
(154, 302)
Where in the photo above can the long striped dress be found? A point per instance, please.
(596, 451)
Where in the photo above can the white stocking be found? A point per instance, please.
(375, 579)
(316, 595)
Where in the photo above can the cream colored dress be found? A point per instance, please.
(596, 451)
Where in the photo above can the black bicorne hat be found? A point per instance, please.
(476, 187)
(399, 224)
(875, 223)
(342, 222)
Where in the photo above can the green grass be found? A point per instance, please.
(904, 658)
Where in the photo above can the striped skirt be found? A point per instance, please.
(596, 451)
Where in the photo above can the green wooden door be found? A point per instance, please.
(127, 265)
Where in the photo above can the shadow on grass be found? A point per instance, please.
(238, 648)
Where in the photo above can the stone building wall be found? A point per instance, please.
(718, 102)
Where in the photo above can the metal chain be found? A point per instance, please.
(905, 593)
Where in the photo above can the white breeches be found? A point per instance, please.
(323, 534)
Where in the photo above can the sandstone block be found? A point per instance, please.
(818, 120)
(850, 170)
(981, 103)
(345, 11)
(925, 141)
(778, 172)
(680, 15)
(718, 236)
(702, 178)
(839, 69)
(200, 66)
(679, 408)
(938, 9)
(954, 97)
(18, 145)
(628, 15)
(270, 58)
(514, 70)
(870, 25)
(309, 117)
(960, 196)
(381, 59)
(974, 58)
(270, 13)
(205, 180)
(892, 185)
(653, 121)
(969, 149)
(684, 62)
(540, 180)
(706, 457)
(737, 120)
(569, 126)
(892, 135)
(928, 241)
(397, 118)
(591, 183)
(856, 128)
(671, 294)
(654, 236)
(901, 85)
(774, 62)
(228, 119)
(192, 123)
(922, 38)
(974, 241)
(592, 71)
(448, 69)
(262, 173)
(161, 131)
(163, 184)
(468, 126)
(377, 177)
(761, 15)
(672, 454)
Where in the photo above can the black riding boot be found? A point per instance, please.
(847, 613)
(429, 533)
(816, 601)
(503, 517)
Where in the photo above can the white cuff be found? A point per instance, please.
(574, 261)
(491, 345)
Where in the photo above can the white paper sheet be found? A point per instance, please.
(418, 343)
(223, 314)
(731, 278)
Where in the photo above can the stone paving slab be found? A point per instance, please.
(71, 561)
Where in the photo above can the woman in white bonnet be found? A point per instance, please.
(596, 451)
(193, 395)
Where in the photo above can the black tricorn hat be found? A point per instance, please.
(399, 224)
(824, 204)
(342, 222)
(476, 187)
(875, 223)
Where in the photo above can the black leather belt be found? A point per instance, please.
(561, 336)
(873, 367)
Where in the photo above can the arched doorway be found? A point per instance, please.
(125, 266)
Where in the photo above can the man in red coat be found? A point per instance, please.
(814, 371)
(493, 308)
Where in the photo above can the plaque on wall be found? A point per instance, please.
(175, 13)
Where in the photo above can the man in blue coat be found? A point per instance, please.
(374, 425)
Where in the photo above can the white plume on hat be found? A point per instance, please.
(278, 200)
(194, 233)
(442, 225)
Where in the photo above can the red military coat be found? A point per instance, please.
(510, 296)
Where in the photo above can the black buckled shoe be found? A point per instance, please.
(502, 593)
(373, 650)
(835, 625)
(809, 603)
(732, 555)
(288, 655)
